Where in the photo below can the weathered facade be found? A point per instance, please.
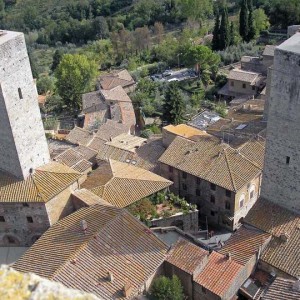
(281, 180)
(23, 144)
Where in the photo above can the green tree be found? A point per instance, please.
(167, 289)
(261, 20)
(232, 34)
(45, 84)
(244, 29)
(173, 107)
(202, 57)
(56, 59)
(216, 33)
(224, 30)
(74, 74)
(251, 24)
(101, 28)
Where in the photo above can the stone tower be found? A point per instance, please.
(281, 178)
(23, 143)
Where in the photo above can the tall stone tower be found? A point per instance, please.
(281, 178)
(23, 143)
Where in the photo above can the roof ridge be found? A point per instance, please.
(54, 172)
(40, 194)
(230, 171)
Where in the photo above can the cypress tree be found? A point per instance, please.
(244, 20)
(216, 33)
(251, 25)
(224, 30)
(232, 34)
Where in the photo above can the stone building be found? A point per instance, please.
(23, 144)
(281, 179)
(29, 207)
(224, 182)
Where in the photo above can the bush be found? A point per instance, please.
(167, 289)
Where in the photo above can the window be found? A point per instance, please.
(252, 191)
(251, 194)
(228, 193)
(10, 240)
(198, 180)
(244, 85)
(198, 192)
(25, 204)
(184, 186)
(232, 83)
(212, 199)
(171, 178)
(20, 93)
(2, 219)
(212, 187)
(227, 205)
(242, 200)
(203, 290)
(29, 219)
(212, 213)
(287, 160)
(170, 169)
(253, 87)
(184, 175)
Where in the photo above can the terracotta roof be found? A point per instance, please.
(89, 198)
(146, 156)
(46, 182)
(114, 242)
(79, 136)
(122, 184)
(127, 113)
(283, 289)
(283, 250)
(245, 243)
(115, 94)
(82, 166)
(269, 50)
(111, 129)
(92, 120)
(279, 220)
(113, 79)
(186, 256)
(91, 101)
(184, 130)
(241, 75)
(213, 161)
(127, 142)
(219, 274)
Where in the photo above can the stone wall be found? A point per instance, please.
(23, 143)
(238, 87)
(186, 222)
(213, 204)
(23, 223)
(281, 179)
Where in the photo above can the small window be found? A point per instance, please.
(212, 187)
(198, 180)
(232, 83)
(244, 85)
(251, 194)
(228, 193)
(212, 199)
(171, 169)
(29, 219)
(2, 219)
(203, 290)
(198, 192)
(253, 87)
(25, 204)
(287, 160)
(184, 175)
(212, 213)
(241, 203)
(227, 205)
(20, 93)
(184, 186)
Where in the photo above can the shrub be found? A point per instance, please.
(167, 289)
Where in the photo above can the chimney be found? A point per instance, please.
(84, 225)
(284, 237)
(127, 290)
(110, 276)
(228, 256)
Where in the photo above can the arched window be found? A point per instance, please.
(252, 192)
(242, 201)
